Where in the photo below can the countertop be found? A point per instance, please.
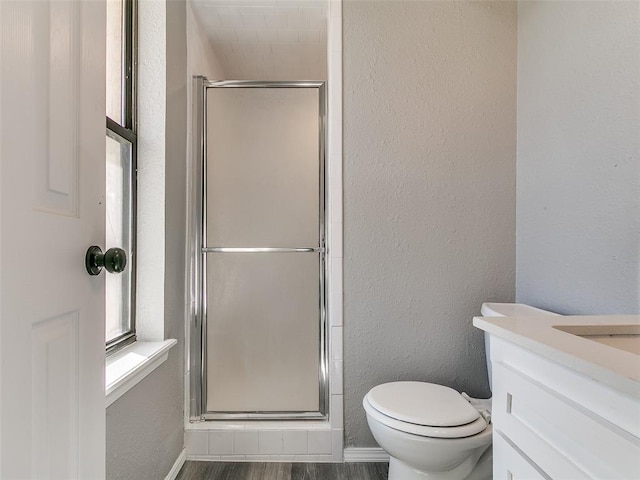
(610, 365)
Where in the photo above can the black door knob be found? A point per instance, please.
(113, 260)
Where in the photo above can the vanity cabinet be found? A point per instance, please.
(511, 463)
(552, 422)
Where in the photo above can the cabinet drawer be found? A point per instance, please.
(566, 440)
(510, 464)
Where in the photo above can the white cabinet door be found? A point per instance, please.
(52, 144)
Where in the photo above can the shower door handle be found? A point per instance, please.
(262, 250)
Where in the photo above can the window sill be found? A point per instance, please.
(126, 367)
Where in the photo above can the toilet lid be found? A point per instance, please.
(422, 403)
(468, 430)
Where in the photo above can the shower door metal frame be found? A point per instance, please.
(197, 252)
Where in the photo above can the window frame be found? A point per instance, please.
(126, 128)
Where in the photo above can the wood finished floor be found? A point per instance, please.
(282, 471)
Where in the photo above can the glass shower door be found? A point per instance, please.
(264, 251)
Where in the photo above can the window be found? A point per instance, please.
(121, 143)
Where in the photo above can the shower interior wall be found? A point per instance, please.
(312, 440)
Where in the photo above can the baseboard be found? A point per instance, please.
(365, 455)
(173, 473)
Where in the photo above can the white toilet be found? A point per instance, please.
(433, 432)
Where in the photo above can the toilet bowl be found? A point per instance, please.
(428, 430)
(434, 432)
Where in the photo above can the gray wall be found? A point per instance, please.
(145, 432)
(429, 191)
(578, 229)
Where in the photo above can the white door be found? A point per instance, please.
(52, 150)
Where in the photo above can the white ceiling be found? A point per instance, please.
(267, 39)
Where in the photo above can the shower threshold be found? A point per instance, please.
(263, 416)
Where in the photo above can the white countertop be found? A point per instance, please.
(613, 366)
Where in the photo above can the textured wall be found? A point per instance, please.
(145, 431)
(429, 191)
(151, 115)
(201, 58)
(579, 156)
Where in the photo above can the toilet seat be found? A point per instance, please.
(422, 403)
(424, 409)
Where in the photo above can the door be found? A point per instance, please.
(52, 122)
(264, 250)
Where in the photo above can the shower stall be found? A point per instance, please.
(257, 251)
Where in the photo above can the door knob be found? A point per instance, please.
(113, 260)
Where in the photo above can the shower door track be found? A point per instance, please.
(199, 251)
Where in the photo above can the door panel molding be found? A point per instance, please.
(55, 396)
(58, 165)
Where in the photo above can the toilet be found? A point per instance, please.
(434, 432)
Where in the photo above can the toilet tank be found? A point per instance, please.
(506, 310)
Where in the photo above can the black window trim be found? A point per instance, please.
(128, 131)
